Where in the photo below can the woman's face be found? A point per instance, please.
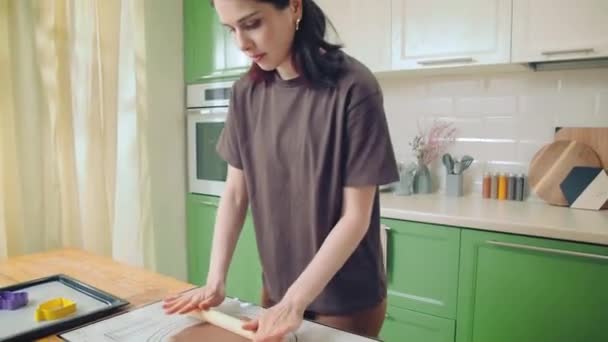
(260, 30)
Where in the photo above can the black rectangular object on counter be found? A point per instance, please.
(105, 304)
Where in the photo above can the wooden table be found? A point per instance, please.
(133, 284)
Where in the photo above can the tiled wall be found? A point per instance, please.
(502, 118)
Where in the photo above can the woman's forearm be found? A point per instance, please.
(231, 213)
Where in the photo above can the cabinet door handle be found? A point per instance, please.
(446, 61)
(548, 250)
(386, 227)
(564, 52)
(207, 203)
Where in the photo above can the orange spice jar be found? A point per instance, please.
(486, 185)
(502, 186)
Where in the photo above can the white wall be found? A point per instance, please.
(164, 59)
(502, 118)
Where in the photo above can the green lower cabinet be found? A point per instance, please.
(200, 216)
(403, 325)
(515, 288)
(244, 279)
(423, 267)
(245, 275)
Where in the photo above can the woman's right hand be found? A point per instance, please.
(199, 299)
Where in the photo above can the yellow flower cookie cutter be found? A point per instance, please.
(55, 309)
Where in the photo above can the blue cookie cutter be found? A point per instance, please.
(12, 300)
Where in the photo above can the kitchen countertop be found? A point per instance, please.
(136, 285)
(532, 218)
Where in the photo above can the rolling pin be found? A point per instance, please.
(223, 321)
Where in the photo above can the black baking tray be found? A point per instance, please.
(111, 302)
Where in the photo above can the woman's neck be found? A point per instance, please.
(286, 70)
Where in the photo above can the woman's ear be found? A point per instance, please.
(296, 5)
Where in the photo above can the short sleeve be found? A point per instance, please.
(369, 158)
(228, 146)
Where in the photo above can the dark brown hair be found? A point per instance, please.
(318, 61)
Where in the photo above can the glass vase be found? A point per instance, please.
(422, 179)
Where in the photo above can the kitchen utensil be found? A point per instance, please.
(552, 163)
(594, 137)
(448, 161)
(224, 321)
(465, 162)
(457, 167)
(12, 300)
(586, 187)
(460, 165)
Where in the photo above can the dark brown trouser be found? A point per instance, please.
(367, 322)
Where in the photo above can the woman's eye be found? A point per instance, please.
(250, 25)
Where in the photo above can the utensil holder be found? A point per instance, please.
(453, 185)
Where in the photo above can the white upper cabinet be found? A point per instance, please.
(545, 30)
(439, 33)
(364, 28)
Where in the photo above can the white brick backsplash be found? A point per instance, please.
(576, 104)
(505, 84)
(527, 149)
(486, 105)
(467, 127)
(436, 106)
(496, 151)
(499, 127)
(585, 79)
(454, 86)
(502, 119)
(601, 111)
(541, 82)
(544, 103)
(535, 126)
(410, 87)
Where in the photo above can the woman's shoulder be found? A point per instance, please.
(357, 80)
(242, 84)
(243, 91)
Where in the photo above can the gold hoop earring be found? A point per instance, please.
(298, 24)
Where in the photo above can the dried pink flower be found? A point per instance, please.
(429, 145)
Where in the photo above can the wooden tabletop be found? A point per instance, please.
(136, 285)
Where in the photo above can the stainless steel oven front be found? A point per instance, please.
(206, 114)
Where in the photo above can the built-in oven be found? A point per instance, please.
(207, 109)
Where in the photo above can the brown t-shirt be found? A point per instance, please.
(298, 148)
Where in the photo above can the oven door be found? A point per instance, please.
(206, 169)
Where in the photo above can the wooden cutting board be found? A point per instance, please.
(594, 137)
(552, 163)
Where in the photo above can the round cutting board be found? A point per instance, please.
(552, 163)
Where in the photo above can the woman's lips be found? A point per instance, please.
(258, 57)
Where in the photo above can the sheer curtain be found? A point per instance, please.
(74, 170)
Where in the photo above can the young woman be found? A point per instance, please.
(307, 145)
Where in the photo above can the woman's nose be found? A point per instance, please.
(243, 41)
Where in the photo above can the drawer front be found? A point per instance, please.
(422, 266)
(406, 325)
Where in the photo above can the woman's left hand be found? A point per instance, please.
(276, 322)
